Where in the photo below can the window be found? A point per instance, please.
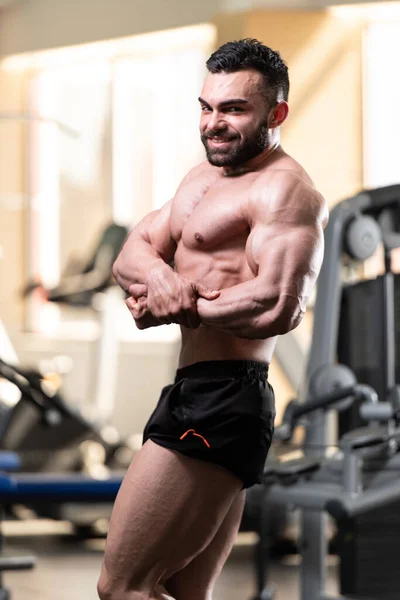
(118, 129)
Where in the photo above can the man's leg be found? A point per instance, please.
(197, 580)
(167, 512)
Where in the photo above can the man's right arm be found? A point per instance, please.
(158, 293)
(149, 245)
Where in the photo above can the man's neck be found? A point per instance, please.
(253, 164)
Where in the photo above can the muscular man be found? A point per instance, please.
(232, 258)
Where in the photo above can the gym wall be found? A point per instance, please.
(12, 197)
(324, 54)
(324, 130)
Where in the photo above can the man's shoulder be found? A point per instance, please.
(282, 182)
(202, 170)
(285, 170)
(193, 187)
(288, 188)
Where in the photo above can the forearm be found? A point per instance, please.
(245, 312)
(135, 261)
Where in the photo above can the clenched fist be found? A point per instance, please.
(169, 298)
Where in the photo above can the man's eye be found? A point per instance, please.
(233, 109)
(205, 108)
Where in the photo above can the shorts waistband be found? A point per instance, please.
(223, 368)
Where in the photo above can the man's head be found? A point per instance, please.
(244, 96)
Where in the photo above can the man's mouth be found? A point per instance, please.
(218, 141)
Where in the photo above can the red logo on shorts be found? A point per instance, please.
(197, 435)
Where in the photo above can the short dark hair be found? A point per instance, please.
(251, 54)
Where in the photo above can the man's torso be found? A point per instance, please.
(211, 222)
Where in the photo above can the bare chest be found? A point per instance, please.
(211, 217)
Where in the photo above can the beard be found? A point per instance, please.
(239, 151)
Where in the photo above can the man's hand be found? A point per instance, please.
(170, 297)
(143, 318)
(210, 313)
(137, 305)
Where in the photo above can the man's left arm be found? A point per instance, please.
(286, 250)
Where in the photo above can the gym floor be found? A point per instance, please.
(68, 568)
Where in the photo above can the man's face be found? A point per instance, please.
(234, 117)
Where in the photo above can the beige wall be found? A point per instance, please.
(324, 55)
(324, 129)
(12, 198)
(323, 132)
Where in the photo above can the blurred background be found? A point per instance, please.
(99, 123)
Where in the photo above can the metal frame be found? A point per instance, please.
(316, 498)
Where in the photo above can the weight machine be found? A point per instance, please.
(363, 475)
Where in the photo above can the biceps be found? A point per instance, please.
(155, 230)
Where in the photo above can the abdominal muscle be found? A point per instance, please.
(216, 271)
(209, 344)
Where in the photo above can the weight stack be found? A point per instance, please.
(369, 544)
(369, 554)
(361, 341)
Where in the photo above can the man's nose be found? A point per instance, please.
(216, 122)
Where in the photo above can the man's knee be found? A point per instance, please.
(110, 590)
(107, 589)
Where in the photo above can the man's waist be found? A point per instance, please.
(202, 344)
(223, 368)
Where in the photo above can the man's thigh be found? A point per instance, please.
(196, 581)
(168, 510)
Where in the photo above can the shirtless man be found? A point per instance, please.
(232, 258)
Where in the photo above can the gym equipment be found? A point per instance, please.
(89, 284)
(51, 435)
(362, 338)
(383, 206)
(368, 331)
(42, 488)
(54, 438)
(10, 560)
(268, 520)
(363, 475)
(81, 280)
(42, 424)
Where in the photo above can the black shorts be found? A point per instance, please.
(219, 411)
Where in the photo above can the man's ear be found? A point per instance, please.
(278, 114)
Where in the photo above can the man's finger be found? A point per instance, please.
(131, 303)
(137, 289)
(205, 292)
(135, 307)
